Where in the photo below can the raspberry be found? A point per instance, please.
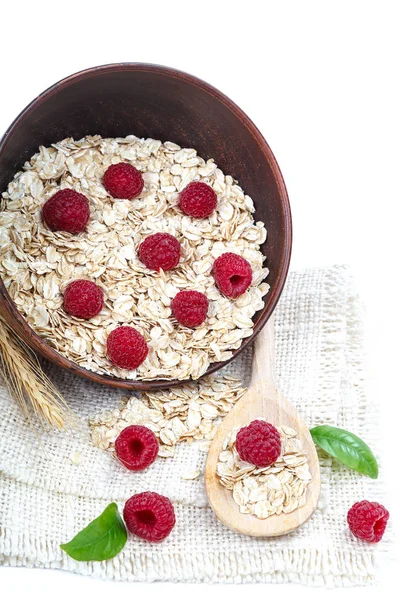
(197, 200)
(259, 443)
(136, 447)
(149, 516)
(368, 520)
(232, 274)
(123, 181)
(190, 308)
(66, 211)
(160, 251)
(126, 347)
(83, 299)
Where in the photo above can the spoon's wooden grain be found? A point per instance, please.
(262, 400)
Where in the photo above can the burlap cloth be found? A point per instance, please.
(45, 499)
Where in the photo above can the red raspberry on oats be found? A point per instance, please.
(232, 274)
(136, 447)
(66, 210)
(126, 348)
(190, 308)
(83, 299)
(259, 443)
(198, 200)
(368, 520)
(123, 181)
(160, 251)
(150, 516)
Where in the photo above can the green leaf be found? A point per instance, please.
(102, 539)
(347, 448)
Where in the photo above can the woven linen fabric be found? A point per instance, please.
(45, 499)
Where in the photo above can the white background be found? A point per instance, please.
(320, 79)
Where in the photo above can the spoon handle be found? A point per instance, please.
(263, 369)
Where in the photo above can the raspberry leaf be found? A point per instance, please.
(102, 539)
(347, 448)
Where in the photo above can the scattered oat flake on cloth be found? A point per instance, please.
(187, 413)
(320, 370)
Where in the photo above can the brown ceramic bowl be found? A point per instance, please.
(162, 103)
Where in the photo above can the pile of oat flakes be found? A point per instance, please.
(189, 413)
(36, 264)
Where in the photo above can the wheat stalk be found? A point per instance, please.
(27, 382)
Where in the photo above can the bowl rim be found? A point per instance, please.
(38, 344)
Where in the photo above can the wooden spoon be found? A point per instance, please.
(262, 400)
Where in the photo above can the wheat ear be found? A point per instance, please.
(27, 382)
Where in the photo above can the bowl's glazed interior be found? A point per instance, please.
(157, 102)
